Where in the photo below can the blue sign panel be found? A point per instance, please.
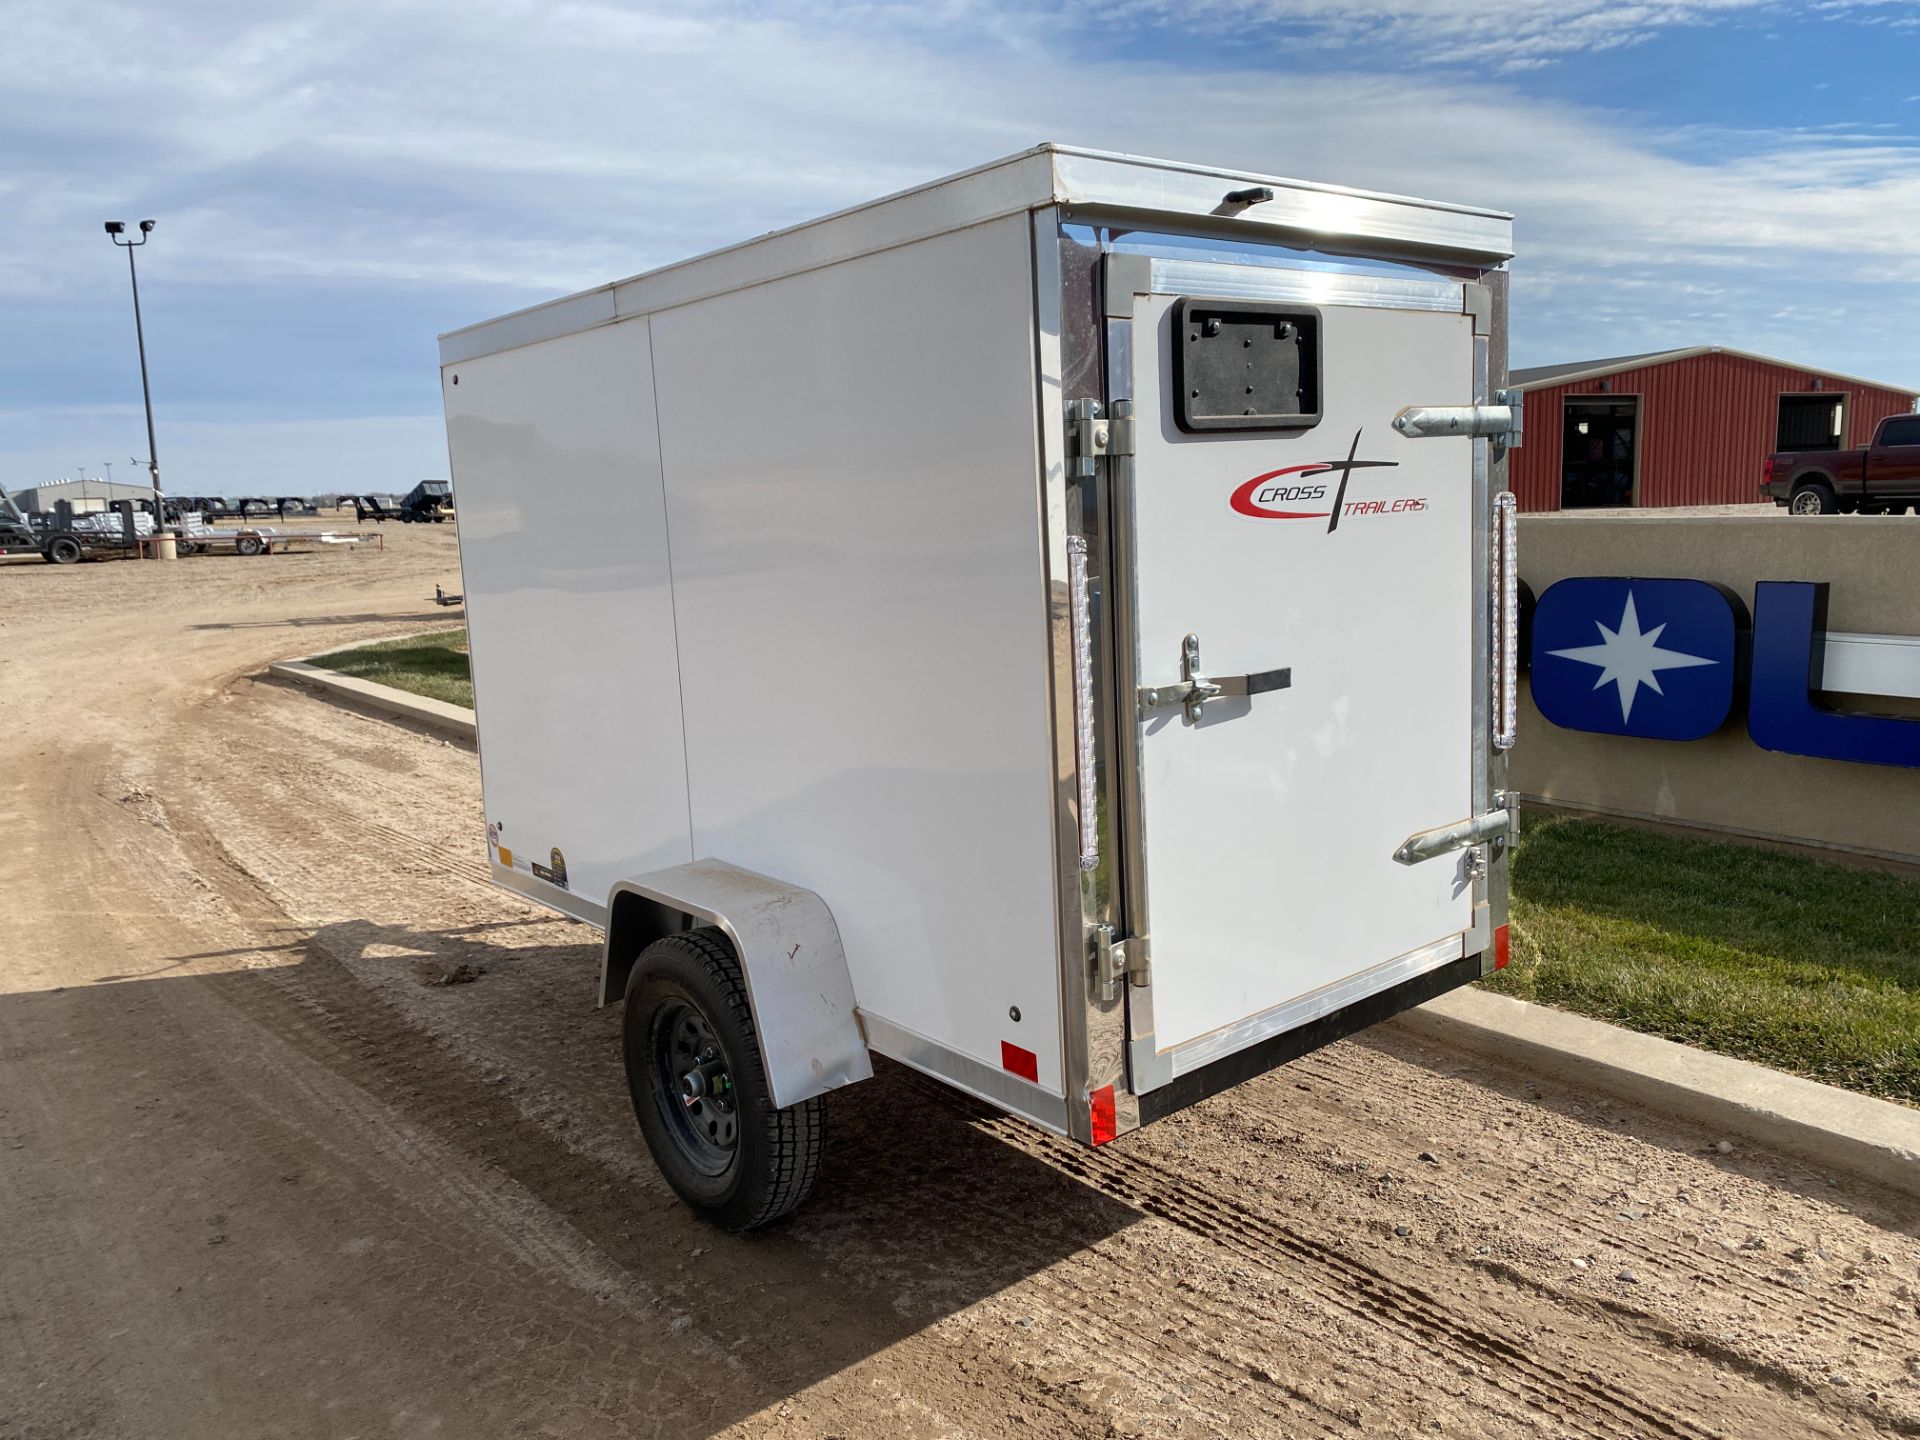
(1652, 658)
(1790, 626)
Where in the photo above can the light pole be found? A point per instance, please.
(115, 229)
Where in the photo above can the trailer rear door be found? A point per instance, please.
(1290, 547)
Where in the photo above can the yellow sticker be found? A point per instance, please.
(506, 857)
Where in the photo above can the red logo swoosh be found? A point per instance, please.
(1242, 498)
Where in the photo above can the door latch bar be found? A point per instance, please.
(1443, 839)
(1196, 688)
(1503, 422)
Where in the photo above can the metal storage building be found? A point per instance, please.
(85, 496)
(1680, 427)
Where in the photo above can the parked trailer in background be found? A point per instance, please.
(1053, 627)
(428, 503)
(17, 535)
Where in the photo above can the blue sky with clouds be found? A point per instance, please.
(337, 183)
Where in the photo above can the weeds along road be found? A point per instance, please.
(262, 1174)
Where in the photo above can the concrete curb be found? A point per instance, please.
(1829, 1127)
(455, 720)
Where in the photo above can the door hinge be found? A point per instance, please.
(1092, 434)
(1118, 962)
(1502, 422)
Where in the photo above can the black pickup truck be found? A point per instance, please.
(1880, 479)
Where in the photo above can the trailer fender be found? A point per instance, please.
(789, 949)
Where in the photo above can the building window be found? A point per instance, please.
(1811, 422)
(1599, 444)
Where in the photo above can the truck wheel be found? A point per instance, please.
(248, 545)
(699, 1087)
(65, 550)
(1813, 498)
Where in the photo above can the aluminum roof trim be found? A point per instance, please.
(1573, 373)
(1032, 179)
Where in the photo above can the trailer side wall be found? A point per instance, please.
(853, 492)
(563, 555)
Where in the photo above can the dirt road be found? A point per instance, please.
(263, 1174)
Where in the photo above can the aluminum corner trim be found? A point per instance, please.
(528, 327)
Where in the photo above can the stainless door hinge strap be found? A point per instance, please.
(1443, 839)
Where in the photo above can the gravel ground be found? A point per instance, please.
(265, 1172)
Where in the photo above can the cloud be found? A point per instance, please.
(1510, 34)
(474, 157)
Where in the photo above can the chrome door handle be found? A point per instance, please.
(1196, 688)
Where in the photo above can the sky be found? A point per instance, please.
(336, 184)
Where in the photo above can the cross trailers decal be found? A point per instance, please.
(1262, 496)
(1673, 659)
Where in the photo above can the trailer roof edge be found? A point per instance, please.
(1045, 175)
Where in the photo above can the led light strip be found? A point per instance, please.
(1083, 700)
(1506, 510)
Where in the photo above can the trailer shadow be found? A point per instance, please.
(309, 622)
(488, 1045)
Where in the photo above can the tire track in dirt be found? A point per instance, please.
(1675, 1240)
(1420, 1316)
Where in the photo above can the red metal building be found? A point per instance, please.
(1680, 427)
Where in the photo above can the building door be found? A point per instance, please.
(1811, 422)
(1598, 448)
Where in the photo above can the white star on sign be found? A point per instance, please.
(1631, 658)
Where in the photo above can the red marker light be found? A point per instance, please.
(1500, 948)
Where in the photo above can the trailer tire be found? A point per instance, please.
(248, 545)
(691, 1053)
(1814, 497)
(65, 550)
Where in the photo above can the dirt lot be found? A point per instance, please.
(262, 1173)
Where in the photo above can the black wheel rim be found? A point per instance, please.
(692, 1086)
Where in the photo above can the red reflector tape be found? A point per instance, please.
(1100, 1102)
(1500, 951)
(1016, 1061)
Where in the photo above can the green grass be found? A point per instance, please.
(1809, 967)
(432, 665)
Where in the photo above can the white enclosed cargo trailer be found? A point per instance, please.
(1053, 628)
